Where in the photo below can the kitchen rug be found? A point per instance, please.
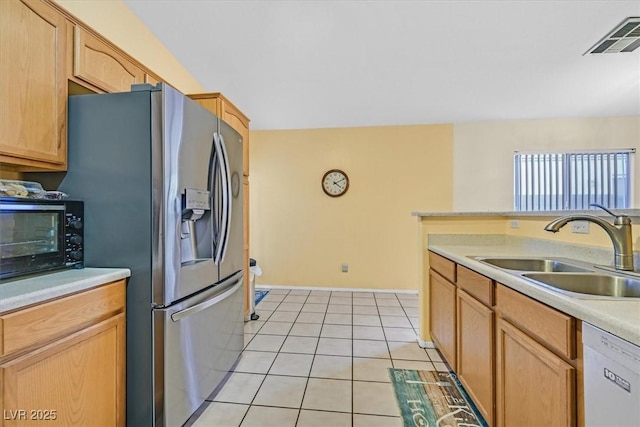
(260, 295)
(431, 398)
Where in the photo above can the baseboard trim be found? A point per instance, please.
(323, 288)
(425, 344)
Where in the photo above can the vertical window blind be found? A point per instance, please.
(572, 180)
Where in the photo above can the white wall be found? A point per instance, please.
(483, 153)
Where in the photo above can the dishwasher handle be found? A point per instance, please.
(208, 303)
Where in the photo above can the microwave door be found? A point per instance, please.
(32, 238)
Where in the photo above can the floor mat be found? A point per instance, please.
(433, 398)
(260, 294)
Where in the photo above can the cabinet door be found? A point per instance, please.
(223, 108)
(240, 123)
(101, 65)
(245, 222)
(442, 316)
(210, 101)
(77, 381)
(33, 120)
(475, 352)
(534, 387)
(152, 80)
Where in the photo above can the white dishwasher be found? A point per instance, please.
(611, 379)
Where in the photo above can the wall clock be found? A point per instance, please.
(335, 183)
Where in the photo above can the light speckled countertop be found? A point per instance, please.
(621, 318)
(21, 292)
(523, 214)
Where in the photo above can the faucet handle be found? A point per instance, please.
(606, 210)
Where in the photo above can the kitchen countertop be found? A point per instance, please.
(21, 292)
(621, 318)
(523, 214)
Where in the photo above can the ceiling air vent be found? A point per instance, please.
(623, 38)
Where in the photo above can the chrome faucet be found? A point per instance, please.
(619, 232)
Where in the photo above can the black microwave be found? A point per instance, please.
(39, 235)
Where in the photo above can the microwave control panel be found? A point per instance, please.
(74, 233)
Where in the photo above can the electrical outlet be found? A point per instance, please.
(515, 223)
(345, 268)
(580, 227)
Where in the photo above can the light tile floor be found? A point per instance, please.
(320, 358)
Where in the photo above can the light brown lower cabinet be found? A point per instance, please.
(517, 358)
(534, 387)
(475, 354)
(442, 295)
(74, 373)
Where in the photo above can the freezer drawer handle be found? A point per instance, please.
(206, 304)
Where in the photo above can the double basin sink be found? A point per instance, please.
(571, 277)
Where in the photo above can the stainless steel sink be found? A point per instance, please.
(532, 264)
(595, 284)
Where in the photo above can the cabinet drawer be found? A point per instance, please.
(101, 65)
(445, 267)
(557, 330)
(475, 284)
(40, 323)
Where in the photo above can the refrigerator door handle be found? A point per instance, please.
(225, 197)
(226, 206)
(177, 316)
(213, 171)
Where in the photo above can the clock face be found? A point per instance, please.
(335, 183)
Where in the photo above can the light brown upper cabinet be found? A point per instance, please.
(33, 132)
(101, 65)
(151, 79)
(223, 108)
(48, 54)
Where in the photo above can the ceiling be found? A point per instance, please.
(316, 64)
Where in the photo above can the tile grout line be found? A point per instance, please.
(304, 392)
(315, 353)
(352, 365)
(267, 373)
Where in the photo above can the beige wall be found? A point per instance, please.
(117, 23)
(300, 236)
(534, 227)
(483, 153)
(528, 227)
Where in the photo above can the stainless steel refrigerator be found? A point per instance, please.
(161, 178)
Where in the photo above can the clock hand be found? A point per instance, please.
(342, 179)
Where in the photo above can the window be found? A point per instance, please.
(572, 180)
